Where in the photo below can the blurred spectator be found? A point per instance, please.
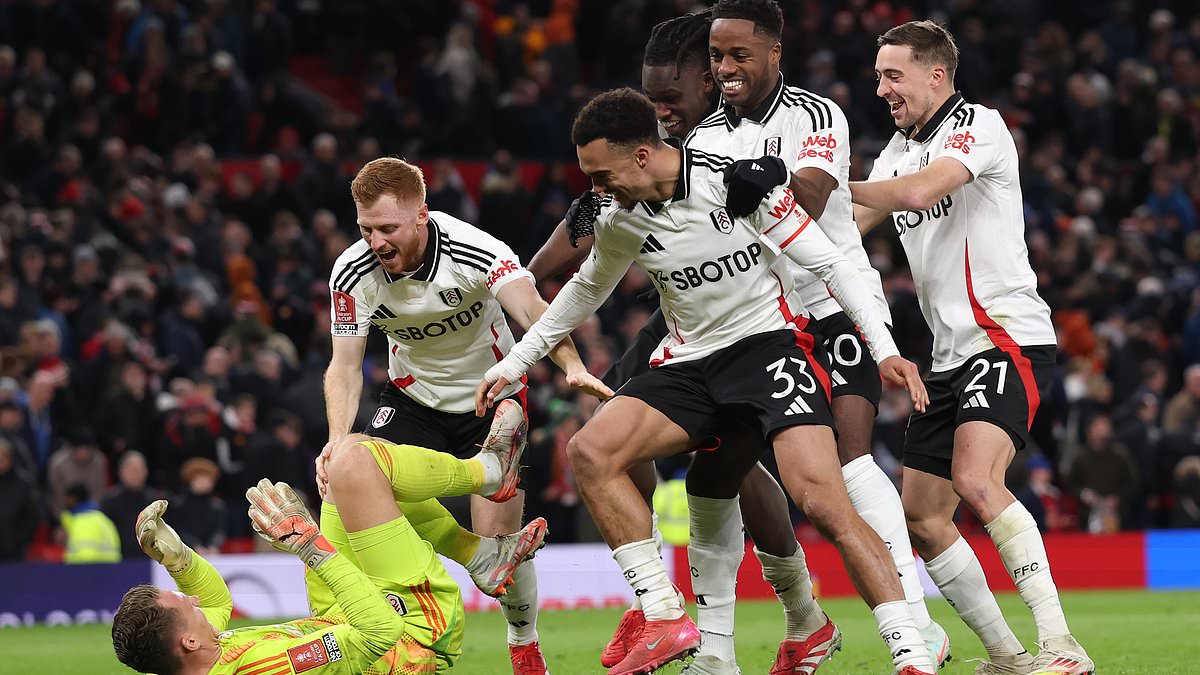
(1044, 500)
(196, 513)
(89, 536)
(1103, 476)
(1187, 493)
(1183, 410)
(127, 414)
(19, 515)
(127, 498)
(78, 462)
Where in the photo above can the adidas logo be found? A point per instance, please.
(651, 245)
(837, 379)
(976, 401)
(798, 406)
(756, 167)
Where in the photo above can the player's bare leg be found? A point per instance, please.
(624, 432)
(875, 499)
(629, 629)
(929, 506)
(807, 459)
(982, 453)
(717, 545)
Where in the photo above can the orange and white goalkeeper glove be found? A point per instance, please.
(280, 517)
(160, 541)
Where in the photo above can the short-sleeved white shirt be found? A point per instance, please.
(804, 130)
(967, 254)
(443, 322)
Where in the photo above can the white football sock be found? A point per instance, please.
(658, 544)
(958, 574)
(793, 586)
(715, 550)
(520, 605)
(1021, 548)
(903, 640)
(644, 570)
(875, 499)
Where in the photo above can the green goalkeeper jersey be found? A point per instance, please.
(350, 642)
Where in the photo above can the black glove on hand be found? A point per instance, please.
(750, 181)
(581, 217)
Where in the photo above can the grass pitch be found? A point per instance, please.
(1126, 633)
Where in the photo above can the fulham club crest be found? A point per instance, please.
(383, 416)
(721, 220)
(451, 296)
(771, 146)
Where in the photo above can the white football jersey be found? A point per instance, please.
(719, 279)
(804, 130)
(967, 253)
(444, 326)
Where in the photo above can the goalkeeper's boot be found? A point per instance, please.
(938, 642)
(506, 441)
(707, 664)
(527, 659)
(1062, 656)
(628, 632)
(1017, 664)
(912, 670)
(496, 576)
(803, 657)
(662, 641)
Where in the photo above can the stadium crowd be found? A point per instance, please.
(175, 190)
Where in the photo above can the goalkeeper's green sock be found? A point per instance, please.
(418, 474)
(437, 526)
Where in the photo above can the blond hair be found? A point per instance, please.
(387, 176)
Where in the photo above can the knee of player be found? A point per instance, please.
(349, 454)
(583, 452)
(976, 489)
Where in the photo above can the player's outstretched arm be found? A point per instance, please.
(867, 218)
(522, 302)
(372, 626)
(343, 387)
(192, 573)
(915, 192)
(789, 230)
(577, 300)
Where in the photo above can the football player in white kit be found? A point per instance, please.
(949, 178)
(736, 350)
(439, 289)
(761, 114)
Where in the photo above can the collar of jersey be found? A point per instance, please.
(936, 121)
(761, 113)
(433, 255)
(683, 185)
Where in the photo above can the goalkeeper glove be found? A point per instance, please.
(280, 517)
(160, 541)
(581, 217)
(750, 181)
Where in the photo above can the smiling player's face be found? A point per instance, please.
(744, 62)
(617, 170)
(682, 97)
(906, 86)
(393, 227)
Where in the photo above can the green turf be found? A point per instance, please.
(1129, 633)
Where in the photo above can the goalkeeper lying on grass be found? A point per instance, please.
(395, 608)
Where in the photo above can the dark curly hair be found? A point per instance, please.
(143, 632)
(621, 116)
(766, 14)
(682, 42)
